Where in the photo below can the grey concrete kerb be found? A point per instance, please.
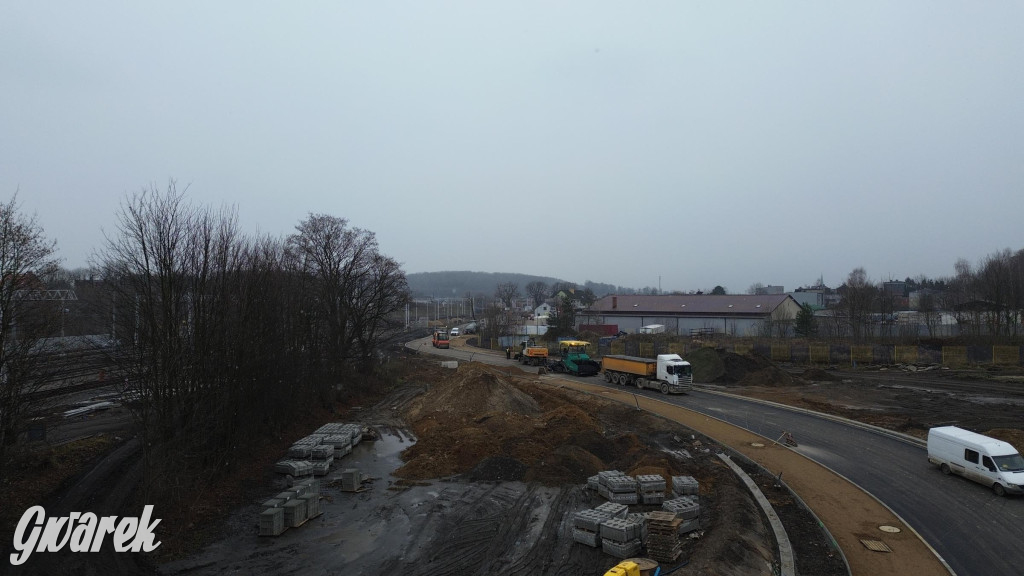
(787, 566)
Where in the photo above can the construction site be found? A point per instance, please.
(483, 470)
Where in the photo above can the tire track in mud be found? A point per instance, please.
(511, 529)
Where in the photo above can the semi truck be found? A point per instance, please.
(531, 354)
(575, 360)
(667, 372)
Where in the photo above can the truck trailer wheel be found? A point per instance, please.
(945, 469)
(639, 383)
(998, 489)
(607, 376)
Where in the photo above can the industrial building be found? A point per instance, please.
(696, 314)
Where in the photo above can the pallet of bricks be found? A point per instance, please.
(679, 515)
(610, 527)
(616, 487)
(291, 508)
(315, 454)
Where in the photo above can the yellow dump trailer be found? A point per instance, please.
(667, 373)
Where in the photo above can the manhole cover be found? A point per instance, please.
(890, 529)
(757, 445)
(875, 545)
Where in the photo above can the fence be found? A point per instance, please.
(837, 354)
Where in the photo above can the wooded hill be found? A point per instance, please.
(457, 284)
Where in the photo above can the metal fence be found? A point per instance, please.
(836, 354)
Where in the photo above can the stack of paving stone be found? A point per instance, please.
(651, 488)
(315, 453)
(351, 480)
(662, 541)
(602, 481)
(587, 523)
(291, 508)
(685, 486)
(586, 527)
(616, 487)
(642, 519)
(322, 457)
(295, 468)
(621, 537)
(687, 509)
(594, 482)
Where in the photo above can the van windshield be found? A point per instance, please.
(1012, 463)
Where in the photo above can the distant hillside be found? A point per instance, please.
(456, 284)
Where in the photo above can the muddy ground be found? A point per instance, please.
(475, 471)
(479, 472)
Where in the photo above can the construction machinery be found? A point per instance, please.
(667, 372)
(441, 339)
(531, 354)
(575, 360)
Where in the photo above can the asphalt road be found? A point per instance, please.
(976, 532)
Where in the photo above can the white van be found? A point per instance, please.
(985, 460)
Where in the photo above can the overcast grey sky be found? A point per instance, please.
(699, 143)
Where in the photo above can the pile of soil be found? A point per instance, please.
(718, 366)
(488, 425)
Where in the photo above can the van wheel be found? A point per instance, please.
(945, 469)
(998, 489)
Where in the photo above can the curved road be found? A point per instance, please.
(975, 531)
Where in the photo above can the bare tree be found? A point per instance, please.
(507, 292)
(538, 291)
(25, 318)
(858, 297)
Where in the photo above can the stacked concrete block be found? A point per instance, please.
(294, 512)
(613, 509)
(351, 480)
(272, 521)
(300, 451)
(620, 537)
(621, 490)
(687, 508)
(294, 467)
(594, 482)
(651, 488)
(663, 543)
(322, 452)
(642, 520)
(312, 501)
(685, 486)
(587, 526)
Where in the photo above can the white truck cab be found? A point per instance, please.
(985, 460)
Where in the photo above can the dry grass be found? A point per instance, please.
(37, 471)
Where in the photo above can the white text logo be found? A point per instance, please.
(81, 532)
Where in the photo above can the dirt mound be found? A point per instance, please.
(718, 366)
(819, 375)
(474, 390)
(492, 426)
(768, 376)
(498, 469)
(707, 365)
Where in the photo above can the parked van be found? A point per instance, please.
(985, 460)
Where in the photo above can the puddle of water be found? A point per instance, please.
(375, 458)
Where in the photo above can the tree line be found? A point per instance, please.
(222, 337)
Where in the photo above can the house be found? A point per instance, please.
(542, 310)
(686, 314)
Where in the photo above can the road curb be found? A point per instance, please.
(787, 564)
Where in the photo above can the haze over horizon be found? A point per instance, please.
(685, 145)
